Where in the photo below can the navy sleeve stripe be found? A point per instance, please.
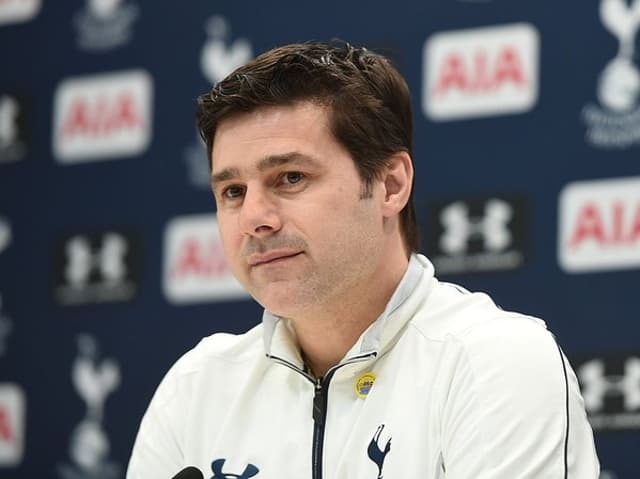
(566, 392)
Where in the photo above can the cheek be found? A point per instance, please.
(346, 223)
(232, 248)
(228, 235)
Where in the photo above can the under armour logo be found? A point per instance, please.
(597, 385)
(376, 454)
(109, 260)
(460, 228)
(97, 267)
(218, 464)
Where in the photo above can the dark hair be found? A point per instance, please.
(367, 98)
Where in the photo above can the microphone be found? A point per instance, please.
(189, 472)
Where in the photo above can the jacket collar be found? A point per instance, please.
(411, 292)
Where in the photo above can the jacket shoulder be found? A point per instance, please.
(224, 347)
(453, 313)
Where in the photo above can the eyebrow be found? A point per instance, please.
(268, 162)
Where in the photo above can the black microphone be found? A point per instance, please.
(189, 472)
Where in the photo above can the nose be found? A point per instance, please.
(259, 215)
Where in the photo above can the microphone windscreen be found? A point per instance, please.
(189, 472)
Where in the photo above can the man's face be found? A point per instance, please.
(295, 229)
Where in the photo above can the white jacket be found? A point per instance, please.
(443, 385)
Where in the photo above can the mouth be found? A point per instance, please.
(271, 258)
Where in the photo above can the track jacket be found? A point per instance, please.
(443, 384)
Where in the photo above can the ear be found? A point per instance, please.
(397, 180)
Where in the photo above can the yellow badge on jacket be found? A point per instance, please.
(364, 384)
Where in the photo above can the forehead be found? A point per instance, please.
(268, 131)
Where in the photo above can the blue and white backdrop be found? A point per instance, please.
(527, 154)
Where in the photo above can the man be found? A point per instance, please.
(364, 366)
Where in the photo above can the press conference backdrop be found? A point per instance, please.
(527, 151)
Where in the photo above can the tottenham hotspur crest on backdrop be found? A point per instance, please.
(615, 122)
(195, 156)
(219, 57)
(94, 381)
(105, 24)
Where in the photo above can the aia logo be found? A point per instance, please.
(600, 225)
(12, 424)
(477, 234)
(480, 72)
(16, 11)
(195, 267)
(97, 268)
(610, 387)
(220, 56)
(102, 116)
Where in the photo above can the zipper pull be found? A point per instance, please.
(319, 404)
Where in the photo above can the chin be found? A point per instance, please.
(287, 297)
(281, 303)
(279, 309)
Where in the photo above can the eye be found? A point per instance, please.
(292, 177)
(233, 192)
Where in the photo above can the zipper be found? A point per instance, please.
(320, 402)
(292, 366)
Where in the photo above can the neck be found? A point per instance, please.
(326, 336)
